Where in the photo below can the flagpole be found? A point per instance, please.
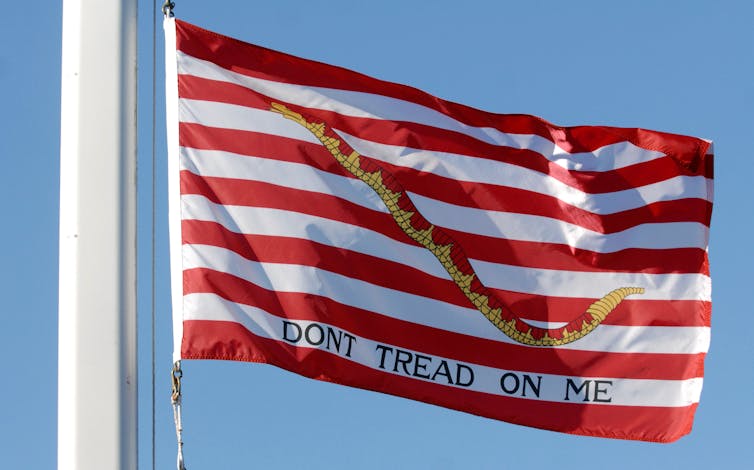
(97, 388)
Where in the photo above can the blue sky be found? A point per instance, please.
(678, 66)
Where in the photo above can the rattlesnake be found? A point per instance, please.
(448, 251)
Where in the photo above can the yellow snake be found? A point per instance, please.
(448, 251)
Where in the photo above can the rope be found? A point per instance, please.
(154, 210)
(175, 398)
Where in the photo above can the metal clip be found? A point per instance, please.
(175, 397)
(175, 377)
(167, 8)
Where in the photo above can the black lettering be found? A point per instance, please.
(571, 385)
(408, 356)
(383, 350)
(445, 372)
(335, 340)
(504, 381)
(351, 339)
(297, 328)
(598, 390)
(309, 338)
(418, 365)
(530, 381)
(459, 375)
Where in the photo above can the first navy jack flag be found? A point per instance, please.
(369, 234)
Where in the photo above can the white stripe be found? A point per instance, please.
(527, 227)
(231, 116)
(281, 277)
(364, 351)
(508, 225)
(368, 105)
(460, 167)
(550, 282)
(480, 170)
(218, 164)
(545, 324)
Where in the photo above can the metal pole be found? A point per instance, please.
(97, 389)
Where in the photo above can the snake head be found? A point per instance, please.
(287, 113)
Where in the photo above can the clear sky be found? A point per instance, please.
(679, 66)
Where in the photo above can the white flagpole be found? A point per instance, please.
(97, 388)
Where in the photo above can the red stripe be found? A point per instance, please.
(231, 341)
(440, 342)
(476, 195)
(404, 278)
(481, 247)
(430, 138)
(256, 61)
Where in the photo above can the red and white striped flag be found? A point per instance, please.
(369, 234)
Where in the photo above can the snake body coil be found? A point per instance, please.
(449, 252)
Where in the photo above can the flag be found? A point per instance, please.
(369, 234)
